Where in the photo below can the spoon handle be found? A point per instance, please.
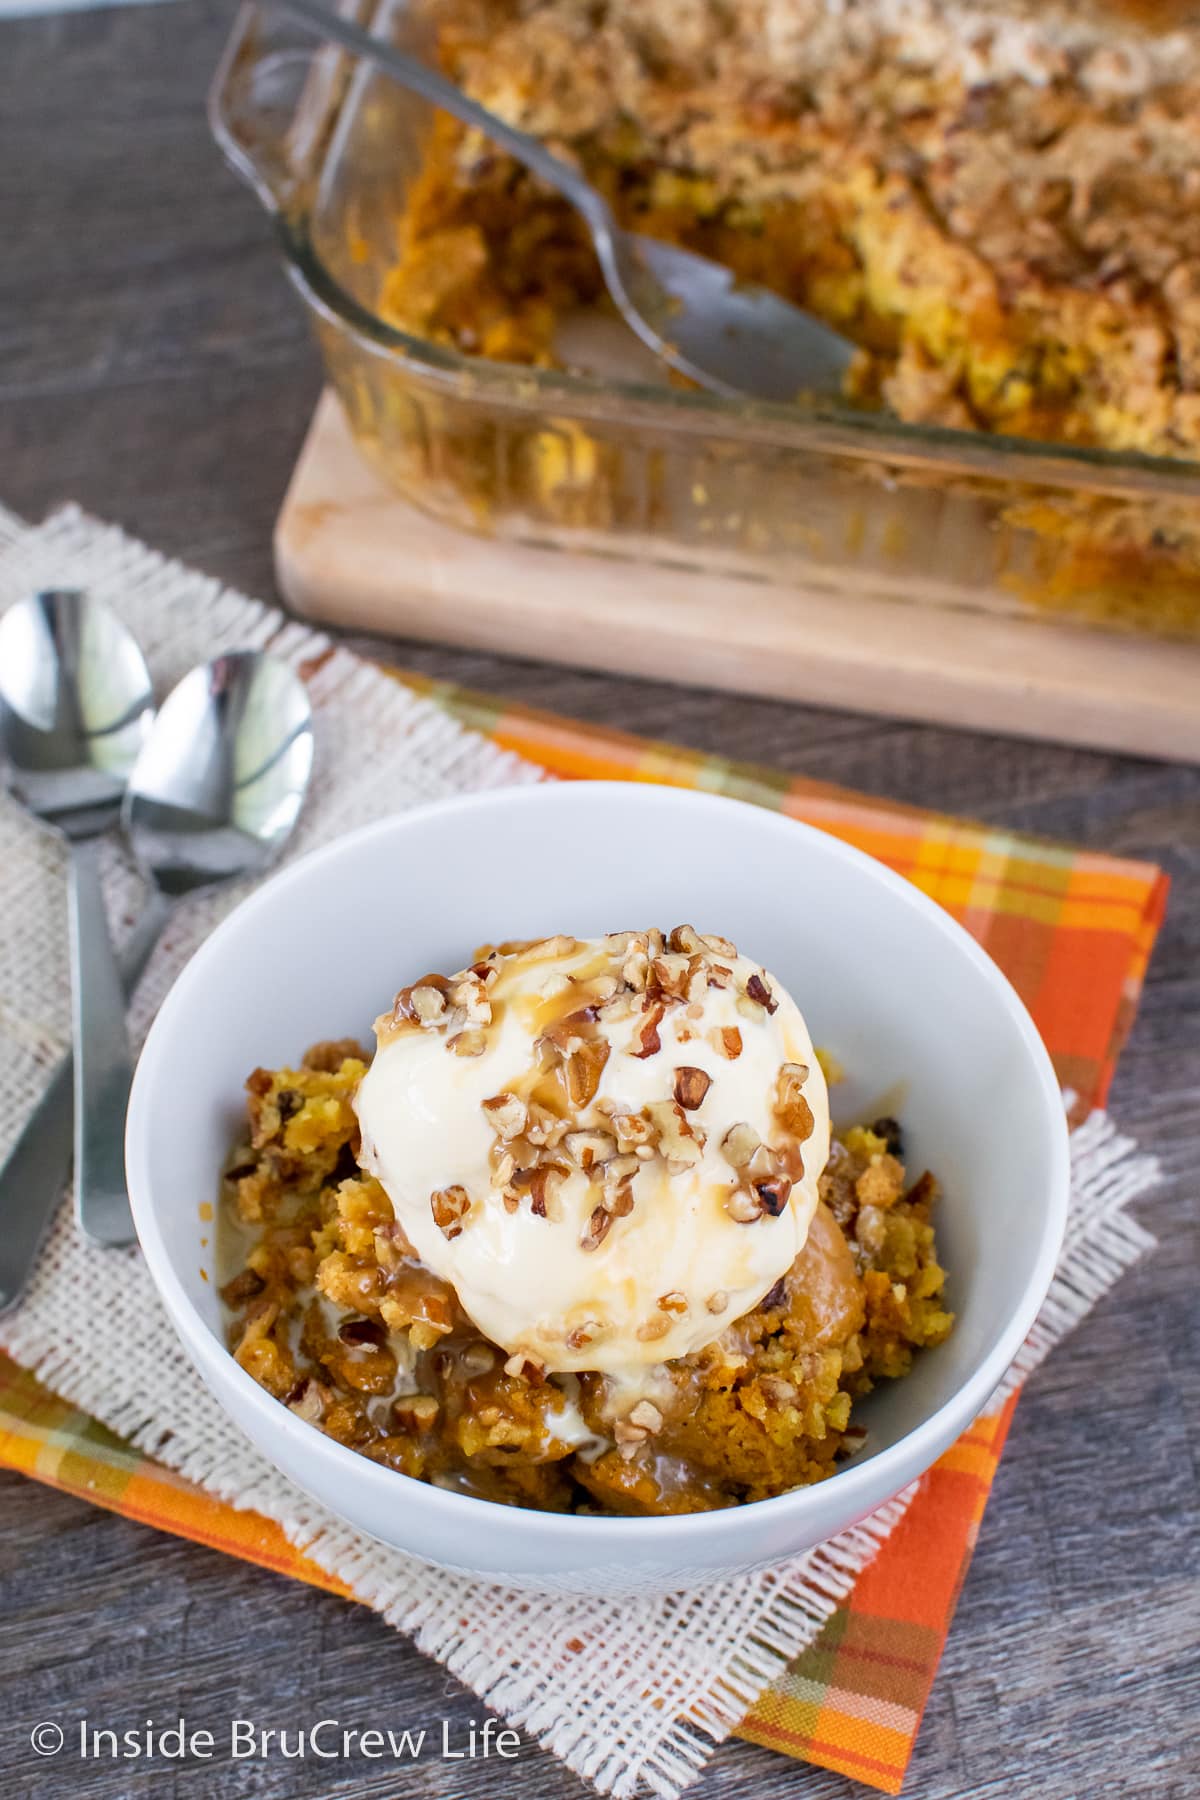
(420, 79)
(38, 1167)
(103, 1059)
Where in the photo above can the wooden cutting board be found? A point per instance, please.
(350, 552)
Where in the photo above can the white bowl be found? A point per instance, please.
(923, 1021)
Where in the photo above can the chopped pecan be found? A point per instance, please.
(678, 1139)
(589, 1149)
(569, 1032)
(685, 939)
(717, 1303)
(649, 1042)
(507, 1115)
(628, 1437)
(773, 1194)
(619, 1200)
(728, 1040)
(671, 975)
(562, 945)
(647, 1415)
(691, 1085)
(470, 993)
(505, 1169)
(308, 1400)
(620, 1169)
(791, 1107)
(470, 1042)
(524, 1364)
(634, 1131)
(622, 1006)
(450, 1207)
(424, 1001)
(744, 1208)
(543, 1181)
(543, 1127)
(635, 968)
(618, 1185)
(597, 1228)
(763, 1163)
(720, 946)
(674, 1302)
(758, 991)
(583, 1071)
(739, 1145)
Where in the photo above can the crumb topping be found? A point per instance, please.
(999, 201)
(333, 1312)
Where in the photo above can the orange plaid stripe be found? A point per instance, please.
(853, 1701)
(1073, 931)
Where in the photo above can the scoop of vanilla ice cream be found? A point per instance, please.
(609, 1147)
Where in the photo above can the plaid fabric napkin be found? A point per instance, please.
(1073, 931)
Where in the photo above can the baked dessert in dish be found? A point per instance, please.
(999, 201)
(578, 1236)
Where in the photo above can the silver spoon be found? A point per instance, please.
(75, 706)
(732, 338)
(213, 796)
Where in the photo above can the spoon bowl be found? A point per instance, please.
(732, 338)
(213, 795)
(75, 707)
(220, 781)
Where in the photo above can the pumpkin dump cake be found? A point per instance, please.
(577, 1237)
(999, 200)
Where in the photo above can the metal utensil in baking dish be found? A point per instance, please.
(730, 337)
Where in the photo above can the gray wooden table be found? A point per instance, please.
(154, 367)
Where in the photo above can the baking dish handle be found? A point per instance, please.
(270, 103)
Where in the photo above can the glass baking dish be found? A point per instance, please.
(808, 498)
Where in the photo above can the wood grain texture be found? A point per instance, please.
(350, 552)
(154, 367)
